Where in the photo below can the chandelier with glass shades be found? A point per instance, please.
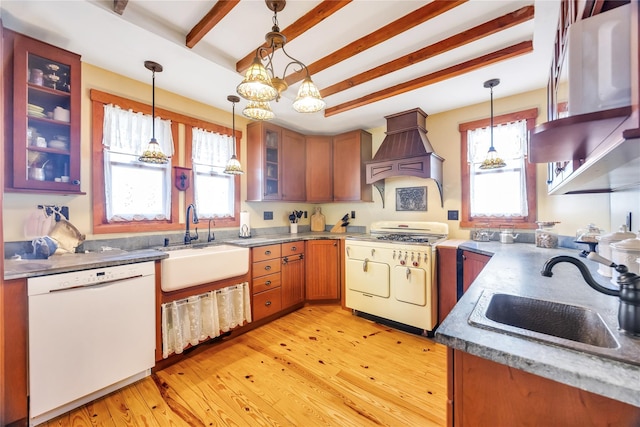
(261, 85)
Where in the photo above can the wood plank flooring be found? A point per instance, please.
(318, 366)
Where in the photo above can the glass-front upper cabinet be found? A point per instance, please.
(45, 153)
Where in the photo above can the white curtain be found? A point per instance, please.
(214, 190)
(192, 320)
(143, 190)
(498, 192)
(211, 148)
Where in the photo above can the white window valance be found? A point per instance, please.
(128, 132)
(509, 139)
(211, 148)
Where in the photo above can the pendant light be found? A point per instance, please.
(261, 84)
(233, 165)
(153, 153)
(258, 110)
(492, 161)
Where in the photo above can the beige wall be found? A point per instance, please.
(573, 211)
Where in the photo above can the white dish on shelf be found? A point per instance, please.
(59, 145)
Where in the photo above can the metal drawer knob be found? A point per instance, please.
(267, 267)
(268, 303)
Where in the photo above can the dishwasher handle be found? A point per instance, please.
(97, 284)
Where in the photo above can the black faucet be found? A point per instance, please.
(629, 292)
(187, 235)
(211, 236)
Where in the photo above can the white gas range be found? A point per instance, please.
(390, 273)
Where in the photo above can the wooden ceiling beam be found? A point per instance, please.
(399, 26)
(210, 20)
(476, 33)
(309, 20)
(435, 77)
(119, 5)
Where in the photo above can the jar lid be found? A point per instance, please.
(628, 244)
(622, 234)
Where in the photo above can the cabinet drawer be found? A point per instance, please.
(292, 248)
(266, 267)
(265, 252)
(266, 303)
(265, 283)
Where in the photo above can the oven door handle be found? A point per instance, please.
(408, 273)
(364, 265)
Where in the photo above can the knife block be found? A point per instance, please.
(338, 228)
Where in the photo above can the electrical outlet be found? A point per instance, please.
(305, 214)
(267, 215)
(353, 214)
(452, 215)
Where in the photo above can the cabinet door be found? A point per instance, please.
(447, 278)
(319, 169)
(350, 152)
(292, 280)
(323, 270)
(45, 154)
(264, 161)
(472, 265)
(293, 176)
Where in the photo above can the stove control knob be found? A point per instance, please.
(402, 262)
(406, 255)
(373, 252)
(413, 256)
(394, 254)
(416, 263)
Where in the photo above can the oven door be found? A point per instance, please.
(410, 284)
(368, 277)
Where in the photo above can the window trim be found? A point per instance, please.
(190, 196)
(100, 224)
(526, 222)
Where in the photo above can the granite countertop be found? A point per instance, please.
(24, 268)
(515, 269)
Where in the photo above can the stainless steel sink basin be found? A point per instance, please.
(562, 324)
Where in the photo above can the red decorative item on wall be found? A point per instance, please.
(181, 177)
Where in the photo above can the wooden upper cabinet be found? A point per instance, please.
(350, 152)
(43, 149)
(293, 175)
(275, 163)
(264, 161)
(288, 166)
(319, 169)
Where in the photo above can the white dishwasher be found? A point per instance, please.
(90, 333)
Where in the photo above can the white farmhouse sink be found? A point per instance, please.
(195, 266)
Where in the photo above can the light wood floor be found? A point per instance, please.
(317, 366)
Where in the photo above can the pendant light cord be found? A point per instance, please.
(153, 104)
(491, 116)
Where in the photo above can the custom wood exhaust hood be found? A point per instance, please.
(405, 151)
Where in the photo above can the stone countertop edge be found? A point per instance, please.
(515, 269)
(25, 268)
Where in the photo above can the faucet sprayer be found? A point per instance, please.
(187, 235)
(629, 292)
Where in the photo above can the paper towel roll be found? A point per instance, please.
(245, 224)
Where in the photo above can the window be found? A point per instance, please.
(138, 187)
(494, 197)
(213, 189)
(135, 191)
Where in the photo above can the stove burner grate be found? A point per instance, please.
(396, 237)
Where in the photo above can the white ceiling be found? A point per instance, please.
(156, 30)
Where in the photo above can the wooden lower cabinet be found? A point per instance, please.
(491, 394)
(277, 273)
(292, 273)
(323, 270)
(267, 303)
(472, 265)
(15, 321)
